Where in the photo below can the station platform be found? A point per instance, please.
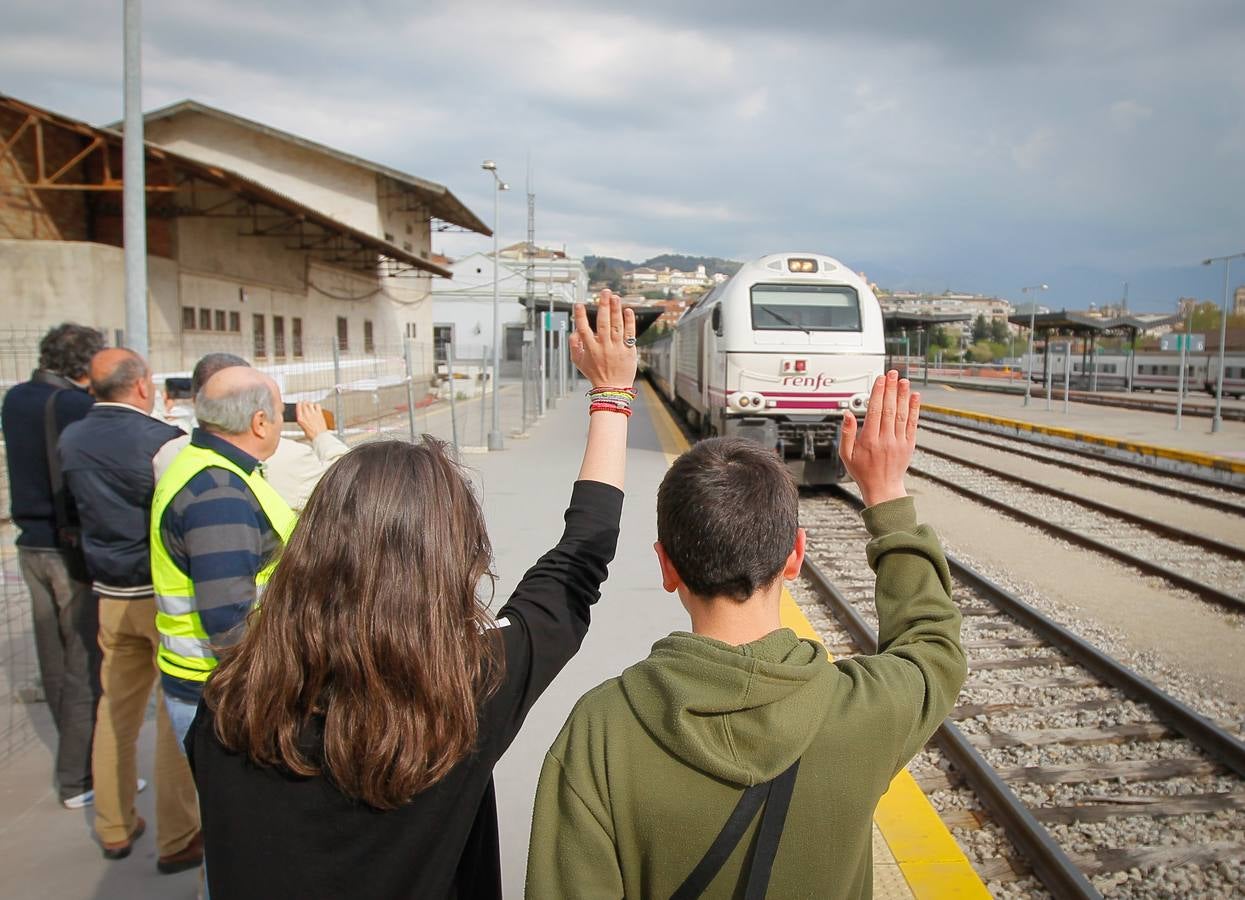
(46, 851)
(1142, 432)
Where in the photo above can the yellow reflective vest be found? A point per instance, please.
(185, 650)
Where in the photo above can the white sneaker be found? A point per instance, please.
(86, 798)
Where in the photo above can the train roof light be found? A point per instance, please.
(801, 265)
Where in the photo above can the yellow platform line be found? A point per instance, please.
(931, 861)
(1190, 456)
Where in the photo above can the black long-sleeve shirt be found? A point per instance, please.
(271, 835)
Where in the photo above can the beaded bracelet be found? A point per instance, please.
(610, 399)
(609, 406)
(627, 393)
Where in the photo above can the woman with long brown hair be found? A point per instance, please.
(345, 746)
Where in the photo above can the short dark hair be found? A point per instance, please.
(67, 350)
(209, 366)
(128, 371)
(727, 514)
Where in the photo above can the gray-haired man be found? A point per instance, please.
(215, 525)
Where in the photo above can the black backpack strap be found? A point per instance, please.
(776, 796)
(770, 832)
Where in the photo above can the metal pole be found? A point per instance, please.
(449, 368)
(544, 365)
(484, 357)
(494, 436)
(1217, 421)
(337, 389)
(1067, 375)
(134, 186)
(1029, 374)
(1184, 347)
(552, 399)
(410, 387)
(561, 359)
(523, 358)
(1049, 373)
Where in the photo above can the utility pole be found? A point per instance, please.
(134, 186)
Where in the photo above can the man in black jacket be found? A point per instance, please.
(107, 461)
(34, 414)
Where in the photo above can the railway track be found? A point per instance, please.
(1205, 566)
(1223, 497)
(1068, 774)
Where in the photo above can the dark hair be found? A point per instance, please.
(372, 624)
(67, 350)
(129, 371)
(209, 366)
(727, 514)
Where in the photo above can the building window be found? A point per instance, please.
(219, 315)
(235, 322)
(205, 320)
(389, 236)
(296, 336)
(442, 338)
(257, 325)
(188, 318)
(343, 333)
(369, 345)
(412, 331)
(278, 336)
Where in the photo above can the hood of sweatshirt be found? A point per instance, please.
(742, 714)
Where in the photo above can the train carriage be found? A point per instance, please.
(776, 354)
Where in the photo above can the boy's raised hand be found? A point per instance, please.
(608, 357)
(877, 454)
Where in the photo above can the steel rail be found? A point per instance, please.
(1140, 404)
(969, 425)
(1053, 867)
(1160, 528)
(1140, 483)
(1206, 591)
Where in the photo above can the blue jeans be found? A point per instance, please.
(181, 714)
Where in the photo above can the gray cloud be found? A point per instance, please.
(974, 145)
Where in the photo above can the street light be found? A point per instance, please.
(1217, 421)
(494, 435)
(1032, 314)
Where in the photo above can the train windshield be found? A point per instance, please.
(805, 307)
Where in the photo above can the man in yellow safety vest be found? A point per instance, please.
(216, 527)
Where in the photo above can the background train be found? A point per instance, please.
(776, 354)
(1152, 371)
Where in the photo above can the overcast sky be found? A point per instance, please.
(971, 145)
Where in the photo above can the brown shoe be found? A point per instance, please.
(121, 849)
(189, 857)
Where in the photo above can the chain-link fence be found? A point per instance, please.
(396, 390)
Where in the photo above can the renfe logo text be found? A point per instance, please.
(807, 381)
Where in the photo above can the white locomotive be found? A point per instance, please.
(776, 354)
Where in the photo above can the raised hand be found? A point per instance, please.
(311, 419)
(877, 454)
(608, 357)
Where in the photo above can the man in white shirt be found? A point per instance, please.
(296, 468)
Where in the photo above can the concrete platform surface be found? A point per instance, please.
(1124, 424)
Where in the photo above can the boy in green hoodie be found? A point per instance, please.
(738, 757)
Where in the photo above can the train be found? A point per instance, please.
(776, 354)
(1152, 371)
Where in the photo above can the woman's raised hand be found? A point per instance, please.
(877, 454)
(608, 357)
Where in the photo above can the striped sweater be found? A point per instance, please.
(217, 533)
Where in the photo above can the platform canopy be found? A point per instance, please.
(645, 316)
(895, 320)
(1085, 324)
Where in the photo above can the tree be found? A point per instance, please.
(999, 332)
(981, 328)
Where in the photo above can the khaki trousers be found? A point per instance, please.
(128, 638)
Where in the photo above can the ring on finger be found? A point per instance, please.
(629, 341)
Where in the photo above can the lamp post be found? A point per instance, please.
(1217, 422)
(1032, 316)
(494, 435)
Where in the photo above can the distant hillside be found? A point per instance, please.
(611, 269)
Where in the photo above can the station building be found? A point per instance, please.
(462, 307)
(259, 242)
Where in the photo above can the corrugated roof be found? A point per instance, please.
(232, 181)
(441, 202)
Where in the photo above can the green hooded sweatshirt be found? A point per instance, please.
(649, 765)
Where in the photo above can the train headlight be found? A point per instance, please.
(859, 402)
(745, 400)
(802, 265)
